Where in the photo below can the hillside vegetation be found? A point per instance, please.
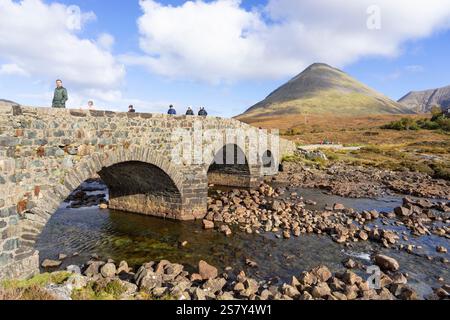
(426, 148)
(322, 89)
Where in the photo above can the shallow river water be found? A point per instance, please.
(138, 239)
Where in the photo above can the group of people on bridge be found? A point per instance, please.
(60, 98)
(202, 112)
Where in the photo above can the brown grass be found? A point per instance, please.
(312, 129)
(423, 150)
(33, 288)
(34, 292)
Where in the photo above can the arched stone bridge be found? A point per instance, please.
(47, 153)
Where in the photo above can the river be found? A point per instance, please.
(139, 239)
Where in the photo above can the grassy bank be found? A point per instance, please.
(35, 289)
(430, 158)
(31, 289)
(388, 141)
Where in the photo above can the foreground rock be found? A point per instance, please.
(166, 280)
(47, 263)
(386, 263)
(207, 271)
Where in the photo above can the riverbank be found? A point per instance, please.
(106, 280)
(361, 181)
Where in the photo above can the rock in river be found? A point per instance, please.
(208, 224)
(225, 229)
(338, 207)
(386, 263)
(47, 263)
(441, 249)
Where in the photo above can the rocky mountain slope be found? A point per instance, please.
(423, 101)
(4, 102)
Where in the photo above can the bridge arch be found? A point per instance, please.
(140, 182)
(142, 187)
(104, 164)
(230, 167)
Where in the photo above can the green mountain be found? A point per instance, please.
(323, 89)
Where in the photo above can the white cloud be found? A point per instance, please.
(12, 69)
(414, 68)
(106, 41)
(406, 71)
(43, 40)
(221, 41)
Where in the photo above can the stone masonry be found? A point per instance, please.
(47, 153)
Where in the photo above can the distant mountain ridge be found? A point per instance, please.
(320, 89)
(4, 102)
(423, 101)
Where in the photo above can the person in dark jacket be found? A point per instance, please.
(172, 111)
(202, 112)
(189, 112)
(131, 109)
(60, 96)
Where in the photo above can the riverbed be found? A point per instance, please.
(139, 239)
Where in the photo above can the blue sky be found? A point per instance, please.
(225, 55)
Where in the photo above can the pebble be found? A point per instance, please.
(441, 249)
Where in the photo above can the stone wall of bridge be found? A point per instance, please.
(47, 153)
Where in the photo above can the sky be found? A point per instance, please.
(225, 55)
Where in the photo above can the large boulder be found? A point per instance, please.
(59, 292)
(73, 269)
(402, 211)
(322, 273)
(321, 290)
(207, 271)
(215, 285)
(171, 271)
(77, 281)
(93, 268)
(123, 267)
(386, 263)
(108, 270)
(146, 279)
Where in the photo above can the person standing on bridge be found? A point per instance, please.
(172, 111)
(60, 96)
(189, 112)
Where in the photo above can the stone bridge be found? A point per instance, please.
(46, 153)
